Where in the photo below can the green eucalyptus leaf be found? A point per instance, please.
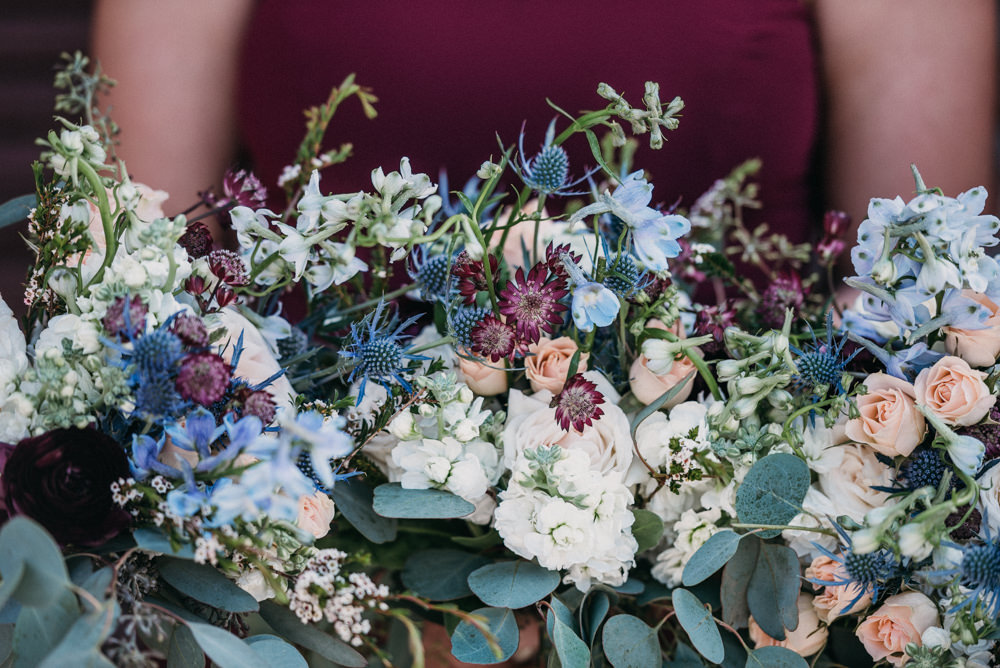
(85, 637)
(225, 649)
(775, 657)
(630, 643)
(183, 650)
(697, 620)
(40, 628)
(773, 590)
(710, 557)
(685, 657)
(205, 584)
(441, 575)
(598, 605)
(15, 210)
(647, 529)
(154, 540)
(6, 642)
(654, 591)
(735, 579)
(354, 501)
(489, 539)
(772, 491)
(392, 500)
(571, 650)
(26, 546)
(631, 587)
(512, 584)
(564, 614)
(468, 644)
(288, 626)
(277, 652)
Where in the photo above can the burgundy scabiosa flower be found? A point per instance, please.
(578, 405)
(190, 330)
(196, 240)
(203, 378)
(62, 480)
(258, 403)
(228, 267)
(494, 339)
(532, 303)
(119, 323)
(243, 188)
(471, 275)
(714, 320)
(987, 431)
(784, 292)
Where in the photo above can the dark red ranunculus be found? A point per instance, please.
(62, 480)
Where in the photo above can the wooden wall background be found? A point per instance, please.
(32, 35)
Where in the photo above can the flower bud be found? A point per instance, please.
(865, 541)
(749, 385)
(884, 272)
(729, 368)
(745, 407)
(780, 399)
(913, 542)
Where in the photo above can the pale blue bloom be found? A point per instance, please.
(198, 433)
(594, 304)
(145, 458)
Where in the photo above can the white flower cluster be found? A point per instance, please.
(13, 364)
(322, 590)
(559, 510)
(689, 533)
(448, 443)
(669, 446)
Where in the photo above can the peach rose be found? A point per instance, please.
(954, 391)
(484, 379)
(546, 369)
(851, 482)
(832, 601)
(807, 638)
(647, 386)
(315, 514)
(978, 347)
(899, 621)
(889, 421)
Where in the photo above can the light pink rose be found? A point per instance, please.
(546, 369)
(257, 364)
(954, 391)
(647, 386)
(978, 347)
(850, 483)
(807, 638)
(832, 601)
(889, 421)
(315, 514)
(484, 378)
(899, 621)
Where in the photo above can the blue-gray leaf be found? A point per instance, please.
(183, 651)
(153, 540)
(39, 629)
(206, 584)
(772, 491)
(512, 584)
(15, 210)
(354, 501)
(441, 575)
(571, 650)
(288, 626)
(773, 590)
(775, 657)
(564, 614)
(391, 500)
(86, 635)
(647, 529)
(697, 620)
(598, 605)
(276, 651)
(629, 643)
(735, 578)
(25, 545)
(225, 649)
(710, 557)
(471, 646)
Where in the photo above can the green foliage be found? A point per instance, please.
(629, 643)
(276, 652)
(353, 499)
(571, 650)
(468, 644)
(15, 210)
(441, 575)
(32, 567)
(697, 620)
(225, 649)
(772, 491)
(775, 657)
(392, 500)
(647, 529)
(206, 584)
(710, 557)
(735, 578)
(288, 626)
(513, 584)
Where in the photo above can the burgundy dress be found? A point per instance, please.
(451, 75)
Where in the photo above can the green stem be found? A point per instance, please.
(444, 340)
(782, 527)
(104, 208)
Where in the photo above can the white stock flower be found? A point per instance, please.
(81, 333)
(461, 469)
(691, 532)
(13, 357)
(815, 506)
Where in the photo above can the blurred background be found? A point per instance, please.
(32, 35)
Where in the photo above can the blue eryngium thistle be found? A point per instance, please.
(433, 273)
(624, 276)
(821, 363)
(376, 348)
(868, 572)
(980, 572)
(547, 173)
(461, 320)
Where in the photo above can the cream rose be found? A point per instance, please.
(315, 514)
(833, 601)
(889, 421)
(807, 638)
(899, 621)
(954, 391)
(531, 423)
(257, 363)
(978, 347)
(485, 379)
(850, 484)
(548, 365)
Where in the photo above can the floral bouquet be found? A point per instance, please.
(542, 412)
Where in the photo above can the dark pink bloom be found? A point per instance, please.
(494, 339)
(532, 303)
(197, 240)
(228, 266)
(714, 320)
(190, 330)
(203, 378)
(784, 292)
(471, 275)
(115, 321)
(578, 405)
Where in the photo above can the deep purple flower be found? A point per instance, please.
(494, 339)
(62, 480)
(471, 275)
(117, 324)
(578, 405)
(554, 259)
(532, 303)
(835, 226)
(259, 403)
(987, 431)
(228, 267)
(196, 240)
(203, 378)
(190, 330)
(784, 292)
(243, 188)
(714, 320)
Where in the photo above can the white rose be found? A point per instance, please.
(253, 582)
(850, 485)
(257, 362)
(815, 507)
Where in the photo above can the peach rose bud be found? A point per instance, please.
(833, 601)
(978, 347)
(548, 364)
(890, 421)
(807, 638)
(315, 514)
(484, 379)
(899, 621)
(954, 391)
(648, 387)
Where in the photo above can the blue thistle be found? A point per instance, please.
(924, 467)
(154, 358)
(433, 274)
(821, 363)
(547, 173)
(980, 572)
(624, 277)
(157, 352)
(379, 355)
(462, 320)
(868, 573)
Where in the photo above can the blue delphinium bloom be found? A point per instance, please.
(197, 434)
(653, 234)
(593, 304)
(379, 355)
(144, 460)
(547, 172)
